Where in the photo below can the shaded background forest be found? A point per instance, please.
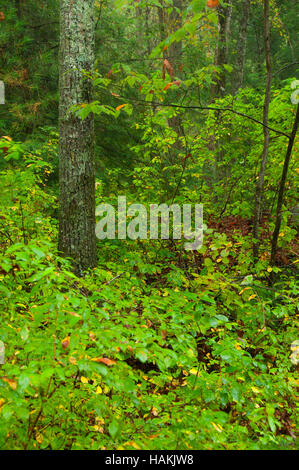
(157, 347)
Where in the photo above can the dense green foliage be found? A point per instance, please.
(157, 347)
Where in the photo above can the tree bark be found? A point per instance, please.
(261, 177)
(242, 41)
(19, 5)
(139, 33)
(175, 49)
(77, 238)
(282, 187)
(175, 58)
(221, 53)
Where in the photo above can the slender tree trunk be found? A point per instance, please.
(175, 58)
(175, 49)
(261, 177)
(242, 41)
(139, 24)
(161, 20)
(219, 87)
(221, 53)
(77, 238)
(18, 4)
(282, 187)
(147, 30)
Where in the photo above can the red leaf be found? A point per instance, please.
(213, 3)
(65, 342)
(168, 67)
(167, 86)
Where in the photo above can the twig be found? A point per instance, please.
(113, 279)
(209, 108)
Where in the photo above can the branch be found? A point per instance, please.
(41, 25)
(285, 67)
(210, 108)
(113, 279)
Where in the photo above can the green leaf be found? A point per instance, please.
(113, 429)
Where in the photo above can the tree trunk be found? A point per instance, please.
(139, 33)
(221, 53)
(18, 4)
(242, 40)
(260, 183)
(282, 187)
(174, 54)
(147, 30)
(77, 238)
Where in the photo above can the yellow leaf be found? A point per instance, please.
(252, 296)
(39, 438)
(269, 269)
(99, 390)
(98, 428)
(100, 420)
(255, 390)
(295, 345)
(136, 446)
(84, 380)
(217, 427)
(74, 314)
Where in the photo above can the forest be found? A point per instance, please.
(149, 225)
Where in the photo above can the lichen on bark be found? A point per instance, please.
(76, 143)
